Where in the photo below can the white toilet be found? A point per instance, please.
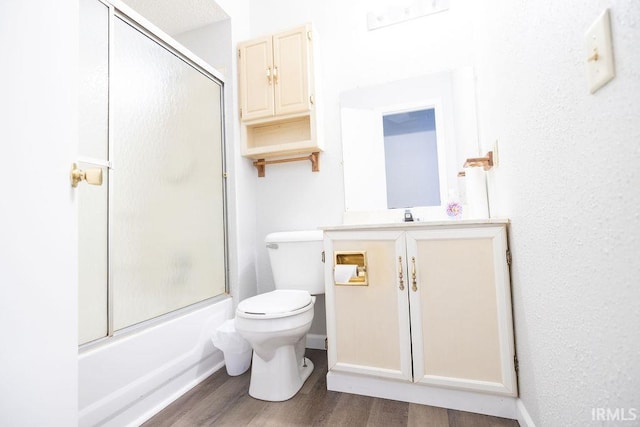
(276, 323)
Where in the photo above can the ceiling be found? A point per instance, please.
(177, 16)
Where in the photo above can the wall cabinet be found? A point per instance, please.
(277, 99)
(436, 311)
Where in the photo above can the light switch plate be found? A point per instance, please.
(599, 53)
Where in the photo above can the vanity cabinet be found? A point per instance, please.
(276, 87)
(436, 311)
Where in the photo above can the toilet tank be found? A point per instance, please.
(296, 260)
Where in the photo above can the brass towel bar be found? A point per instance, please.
(261, 164)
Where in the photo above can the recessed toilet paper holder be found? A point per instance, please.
(350, 268)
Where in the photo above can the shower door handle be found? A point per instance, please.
(92, 176)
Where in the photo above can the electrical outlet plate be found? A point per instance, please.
(599, 53)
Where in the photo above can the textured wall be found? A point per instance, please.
(569, 181)
(291, 197)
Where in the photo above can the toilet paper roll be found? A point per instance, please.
(344, 272)
(476, 192)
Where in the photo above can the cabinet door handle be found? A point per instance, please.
(414, 283)
(275, 75)
(400, 273)
(269, 74)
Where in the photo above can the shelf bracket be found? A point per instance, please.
(314, 158)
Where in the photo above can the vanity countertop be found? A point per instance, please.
(453, 223)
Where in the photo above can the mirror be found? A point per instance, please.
(404, 143)
(411, 154)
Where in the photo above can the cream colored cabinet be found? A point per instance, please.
(276, 79)
(275, 74)
(368, 325)
(436, 310)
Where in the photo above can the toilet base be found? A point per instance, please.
(281, 377)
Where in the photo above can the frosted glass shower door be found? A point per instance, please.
(167, 212)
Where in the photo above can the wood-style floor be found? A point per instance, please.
(222, 400)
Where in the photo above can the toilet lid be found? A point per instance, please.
(276, 302)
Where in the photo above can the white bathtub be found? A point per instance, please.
(128, 379)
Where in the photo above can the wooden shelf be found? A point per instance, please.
(314, 158)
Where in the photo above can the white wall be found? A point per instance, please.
(38, 249)
(215, 44)
(569, 181)
(567, 178)
(291, 197)
(241, 188)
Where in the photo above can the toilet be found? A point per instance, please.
(276, 323)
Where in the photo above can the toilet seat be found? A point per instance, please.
(275, 304)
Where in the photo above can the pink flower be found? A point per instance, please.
(454, 209)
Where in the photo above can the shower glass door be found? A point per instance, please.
(152, 238)
(167, 217)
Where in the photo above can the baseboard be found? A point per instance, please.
(487, 404)
(316, 341)
(523, 417)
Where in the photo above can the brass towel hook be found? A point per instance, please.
(92, 176)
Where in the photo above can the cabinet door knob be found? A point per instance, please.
(400, 276)
(269, 75)
(275, 75)
(414, 283)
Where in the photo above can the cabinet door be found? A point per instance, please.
(256, 78)
(368, 326)
(461, 326)
(292, 57)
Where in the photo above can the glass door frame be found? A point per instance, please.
(119, 10)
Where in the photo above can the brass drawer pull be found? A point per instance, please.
(414, 283)
(400, 276)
